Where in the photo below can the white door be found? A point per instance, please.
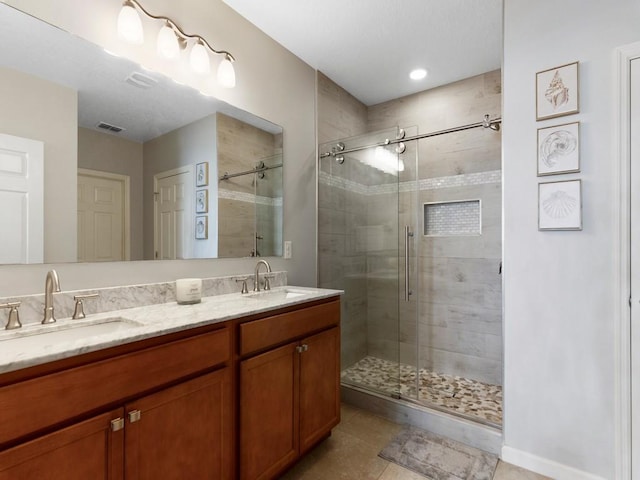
(173, 213)
(635, 267)
(103, 223)
(22, 200)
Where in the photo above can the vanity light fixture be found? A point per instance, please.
(172, 39)
(130, 25)
(226, 73)
(168, 43)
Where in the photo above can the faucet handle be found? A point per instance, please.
(244, 283)
(78, 311)
(267, 278)
(13, 321)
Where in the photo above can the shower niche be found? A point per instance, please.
(452, 218)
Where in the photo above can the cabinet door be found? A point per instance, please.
(181, 432)
(88, 449)
(268, 413)
(319, 386)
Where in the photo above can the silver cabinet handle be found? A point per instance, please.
(117, 424)
(134, 416)
(407, 288)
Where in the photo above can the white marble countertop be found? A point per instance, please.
(30, 345)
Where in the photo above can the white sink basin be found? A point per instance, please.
(43, 335)
(280, 294)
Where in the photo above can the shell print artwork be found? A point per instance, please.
(559, 204)
(557, 145)
(557, 94)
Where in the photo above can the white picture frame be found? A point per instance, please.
(202, 174)
(559, 149)
(557, 92)
(560, 205)
(202, 227)
(202, 201)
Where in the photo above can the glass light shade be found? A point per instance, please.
(226, 74)
(130, 25)
(199, 59)
(168, 46)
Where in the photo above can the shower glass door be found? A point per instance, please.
(268, 207)
(361, 250)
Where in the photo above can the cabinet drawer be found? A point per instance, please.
(45, 401)
(266, 332)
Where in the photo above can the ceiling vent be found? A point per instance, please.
(109, 127)
(141, 80)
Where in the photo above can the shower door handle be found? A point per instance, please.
(407, 235)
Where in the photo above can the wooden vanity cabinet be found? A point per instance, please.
(242, 399)
(289, 394)
(88, 449)
(183, 430)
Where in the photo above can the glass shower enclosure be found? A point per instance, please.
(422, 298)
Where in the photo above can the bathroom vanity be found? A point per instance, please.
(241, 395)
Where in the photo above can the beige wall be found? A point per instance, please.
(40, 110)
(109, 153)
(284, 95)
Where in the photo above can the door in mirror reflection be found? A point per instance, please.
(21, 197)
(171, 214)
(103, 211)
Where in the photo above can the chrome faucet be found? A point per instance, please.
(51, 284)
(256, 279)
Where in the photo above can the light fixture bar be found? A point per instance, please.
(179, 31)
(180, 34)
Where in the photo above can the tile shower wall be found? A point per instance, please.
(245, 208)
(455, 328)
(459, 290)
(342, 217)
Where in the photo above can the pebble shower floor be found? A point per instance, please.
(460, 395)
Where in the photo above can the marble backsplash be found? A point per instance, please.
(122, 297)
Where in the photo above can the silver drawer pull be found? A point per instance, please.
(117, 424)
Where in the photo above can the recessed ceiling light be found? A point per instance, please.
(418, 74)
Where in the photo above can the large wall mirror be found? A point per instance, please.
(102, 160)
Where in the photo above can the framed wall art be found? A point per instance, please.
(202, 201)
(202, 227)
(560, 205)
(559, 149)
(202, 174)
(557, 91)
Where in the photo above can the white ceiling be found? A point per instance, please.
(369, 46)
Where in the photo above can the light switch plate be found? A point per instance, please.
(287, 249)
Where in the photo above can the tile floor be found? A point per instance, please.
(351, 453)
(456, 394)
